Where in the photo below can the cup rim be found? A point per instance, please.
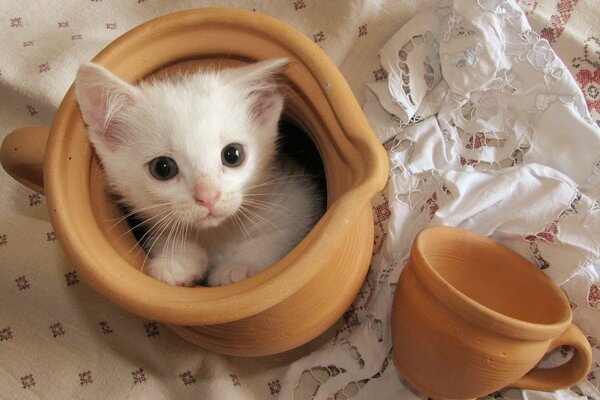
(470, 309)
(200, 306)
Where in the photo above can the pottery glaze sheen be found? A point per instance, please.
(294, 300)
(470, 317)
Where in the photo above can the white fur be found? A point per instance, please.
(263, 209)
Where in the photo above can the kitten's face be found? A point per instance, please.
(187, 149)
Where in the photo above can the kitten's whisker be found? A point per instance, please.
(234, 220)
(140, 224)
(240, 225)
(179, 236)
(268, 194)
(148, 236)
(172, 239)
(175, 230)
(244, 212)
(137, 211)
(280, 179)
(161, 225)
(142, 241)
(165, 225)
(268, 206)
(269, 222)
(185, 236)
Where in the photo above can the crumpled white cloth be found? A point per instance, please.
(486, 130)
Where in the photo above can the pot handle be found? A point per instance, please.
(563, 376)
(22, 155)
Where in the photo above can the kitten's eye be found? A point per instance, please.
(163, 168)
(232, 155)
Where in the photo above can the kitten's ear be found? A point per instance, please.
(101, 95)
(262, 82)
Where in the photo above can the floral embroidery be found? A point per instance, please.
(362, 30)
(591, 51)
(559, 20)
(6, 334)
(57, 329)
(45, 67)
(22, 283)
(32, 111)
(235, 380)
(27, 381)
(380, 74)
(458, 28)
(85, 378)
(466, 58)
(139, 376)
(275, 386)
(593, 297)
(481, 106)
(152, 329)
(187, 378)
(16, 22)
(319, 37)
(590, 85)
(106, 329)
(35, 199)
(299, 5)
(312, 379)
(72, 278)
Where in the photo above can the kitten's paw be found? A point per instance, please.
(179, 270)
(229, 273)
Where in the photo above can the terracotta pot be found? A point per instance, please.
(294, 300)
(471, 316)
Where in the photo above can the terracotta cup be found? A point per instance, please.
(292, 301)
(470, 317)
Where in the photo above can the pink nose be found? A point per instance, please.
(206, 196)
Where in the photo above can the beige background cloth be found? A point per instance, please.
(61, 340)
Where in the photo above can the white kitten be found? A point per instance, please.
(195, 157)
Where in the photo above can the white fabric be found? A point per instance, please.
(505, 148)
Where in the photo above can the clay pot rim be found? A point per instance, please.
(183, 306)
(468, 308)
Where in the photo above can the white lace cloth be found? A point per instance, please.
(488, 131)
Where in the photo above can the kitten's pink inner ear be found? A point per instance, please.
(95, 111)
(101, 96)
(267, 106)
(262, 81)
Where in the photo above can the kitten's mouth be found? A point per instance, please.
(211, 219)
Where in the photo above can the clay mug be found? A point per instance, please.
(289, 303)
(470, 317)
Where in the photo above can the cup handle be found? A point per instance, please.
(566, 375)
(22, 155)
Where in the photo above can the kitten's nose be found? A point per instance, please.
(206, 195)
